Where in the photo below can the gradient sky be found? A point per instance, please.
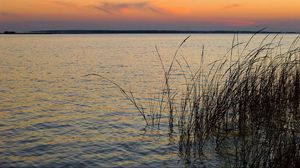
(24, 15)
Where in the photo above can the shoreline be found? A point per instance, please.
(143, 32)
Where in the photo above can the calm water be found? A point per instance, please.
(54, 116)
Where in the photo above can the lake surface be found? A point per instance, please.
(52, 115)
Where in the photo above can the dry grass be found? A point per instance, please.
(246, 105)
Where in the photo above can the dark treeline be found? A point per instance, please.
(145, 32)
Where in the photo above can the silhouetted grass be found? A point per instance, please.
(246, 106)
(251, 105)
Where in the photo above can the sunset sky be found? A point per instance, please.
(24, 15)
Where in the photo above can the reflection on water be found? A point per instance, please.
(54, 116)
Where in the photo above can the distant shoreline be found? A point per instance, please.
(144, 32)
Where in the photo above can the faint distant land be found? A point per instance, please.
(148, 32)
(9, 32)
(154, 32)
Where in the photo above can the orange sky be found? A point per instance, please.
(151, 14)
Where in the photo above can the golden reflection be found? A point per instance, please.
(46, 100)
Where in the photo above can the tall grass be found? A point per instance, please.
(246, 106)
(252, 106)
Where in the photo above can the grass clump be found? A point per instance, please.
(251, 106)
(245, 107)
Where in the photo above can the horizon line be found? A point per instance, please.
(145, 31)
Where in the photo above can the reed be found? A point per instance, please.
(246, 105)
(251, 105)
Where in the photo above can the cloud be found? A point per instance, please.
(113, 8)
(64, 3)
(232, 6)
(240, 23)
(8, 14)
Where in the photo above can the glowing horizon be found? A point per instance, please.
(20, 15)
